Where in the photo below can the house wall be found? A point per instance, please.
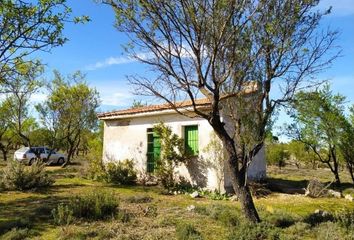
(127, 139)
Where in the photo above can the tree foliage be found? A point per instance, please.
(172, 154)
(69, 111)
(27, 27)
(318, 122)
(346, 142)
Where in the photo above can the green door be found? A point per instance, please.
(191, 141)
(153, 150)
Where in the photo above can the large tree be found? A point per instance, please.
(219, 50)
(25, 82)
(318, 123)
(346, 142)
(69, 112)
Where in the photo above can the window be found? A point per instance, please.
(153, 149)
(191, 141)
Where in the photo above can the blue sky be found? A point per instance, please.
(96, 49)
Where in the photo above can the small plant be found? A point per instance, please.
(97, 205)
(63, 215)
(257, 231)
(121, 172)
(345, 218)
(186, 231)
(331, 231)
(281, 219)
(172, 154)
(16, 176)
(124, 216)
(16, 234)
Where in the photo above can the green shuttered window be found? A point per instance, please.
(191, 141)
(153, 149)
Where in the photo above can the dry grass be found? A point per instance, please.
(155, 218)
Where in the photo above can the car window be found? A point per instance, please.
(41, 150)
(24, 149)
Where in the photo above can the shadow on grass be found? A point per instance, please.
(298, 186)
(287, 186)
(31, 212)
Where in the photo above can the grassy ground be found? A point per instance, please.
(158, 218)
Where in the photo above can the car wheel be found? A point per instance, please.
(31, 161)
(60, 161)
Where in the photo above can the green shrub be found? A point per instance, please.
(229, 218)
(297, 231)
(121, 172)
(186, 231)
(345, 218)
(124, 216)
(257, 231)
(63, 215)
(225, 215)
(280, 219)
(95, 206)
(201, 210)
(16, 234)
(332, 231)
(16, 176)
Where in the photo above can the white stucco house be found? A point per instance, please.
(128, 135)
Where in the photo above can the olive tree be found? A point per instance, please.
(318, 123)
(69, 111)
(217, 50)
(346, 142)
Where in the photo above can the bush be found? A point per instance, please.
(225, 215)
(63, 215)
(345, 218)
(257, 231)
(186, 231)
(280, 219)
(97, 205)
(16, 176)
(121, 172)
(331, 231)
(16, 234)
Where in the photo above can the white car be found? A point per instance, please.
(28, 155)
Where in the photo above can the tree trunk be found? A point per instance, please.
(4, 154)
(350, 170)
(238, 175)
(334, 170)
(244, 195)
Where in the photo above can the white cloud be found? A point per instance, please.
(339, 7)
(115, 61)
(108, 62)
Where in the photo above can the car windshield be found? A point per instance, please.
(24, 149)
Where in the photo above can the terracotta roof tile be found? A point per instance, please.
(250, 88)
(154, 108)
